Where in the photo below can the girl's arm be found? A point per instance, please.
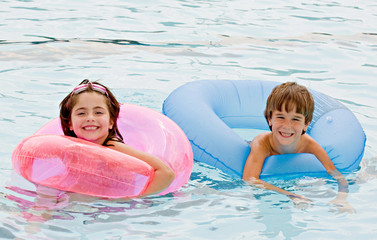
(163, 174)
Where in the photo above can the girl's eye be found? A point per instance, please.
(80, 113)
(99, 113)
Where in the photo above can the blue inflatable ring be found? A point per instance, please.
(208, 111)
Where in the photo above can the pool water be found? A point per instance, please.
(143, 50)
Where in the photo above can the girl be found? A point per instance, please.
(90, 112)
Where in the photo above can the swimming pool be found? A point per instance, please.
(145, 49)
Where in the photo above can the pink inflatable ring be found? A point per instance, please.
(71, 164)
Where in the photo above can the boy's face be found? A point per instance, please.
(287, 127)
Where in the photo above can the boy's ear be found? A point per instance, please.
(306, 126)
(269, 123)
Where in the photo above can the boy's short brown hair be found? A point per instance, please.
(290, 95)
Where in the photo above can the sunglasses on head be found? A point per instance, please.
(96, 87)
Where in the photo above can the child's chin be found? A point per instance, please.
(286, 141)
(89, 139)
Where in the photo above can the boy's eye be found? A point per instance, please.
(298, 118)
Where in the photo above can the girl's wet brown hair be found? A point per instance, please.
(70, 100)
(290, 95)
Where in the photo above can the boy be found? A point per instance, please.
(289, 110)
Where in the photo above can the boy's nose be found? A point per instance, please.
(287, 124)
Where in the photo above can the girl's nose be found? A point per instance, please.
(90, 117)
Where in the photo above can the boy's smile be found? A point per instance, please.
(286, 135)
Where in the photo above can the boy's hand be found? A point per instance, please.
(341, 205)
(300, 202)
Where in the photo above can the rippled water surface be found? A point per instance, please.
(143, 50)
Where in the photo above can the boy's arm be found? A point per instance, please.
(341, 199)
(321, 154)
(259, 151)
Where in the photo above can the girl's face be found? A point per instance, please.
(90, 117)
(287, 127)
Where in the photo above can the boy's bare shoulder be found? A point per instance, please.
(262, 137)
(309, 145)
(261, 143)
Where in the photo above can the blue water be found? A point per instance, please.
(143, 50)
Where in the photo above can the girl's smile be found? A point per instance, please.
(90, 119)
